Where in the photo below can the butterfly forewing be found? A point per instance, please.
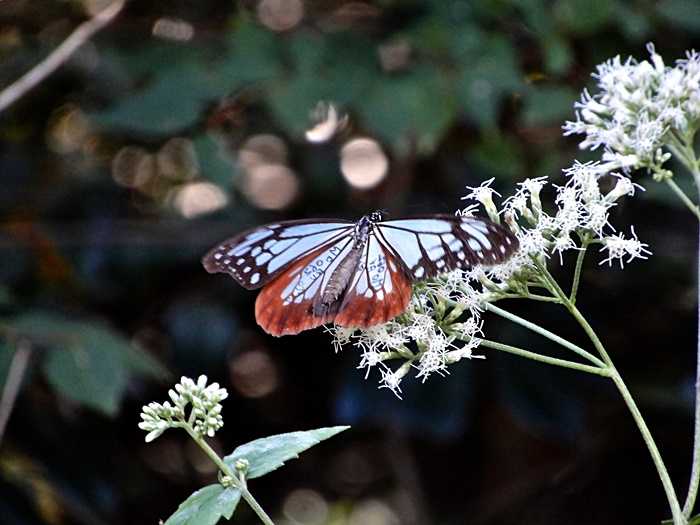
(428, 246)
(257, 256)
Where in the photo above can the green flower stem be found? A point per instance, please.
(223, 467)
(546, 333)
(689, 159)
(683, 197)
(534, 297)
(545, 359)
(678, 517)
(577, 272)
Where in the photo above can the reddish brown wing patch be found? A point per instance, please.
(278, 316)
(389, 296)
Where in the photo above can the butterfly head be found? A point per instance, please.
(376, 216)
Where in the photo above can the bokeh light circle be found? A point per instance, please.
(363, 163)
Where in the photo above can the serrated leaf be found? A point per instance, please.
(270, 453)
(206, 506)
(87, 362)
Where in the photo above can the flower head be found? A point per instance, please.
(636, 108)
(204, 414)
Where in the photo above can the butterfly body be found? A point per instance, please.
(353, 274)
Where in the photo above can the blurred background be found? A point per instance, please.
(182, 123)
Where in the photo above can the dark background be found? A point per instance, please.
(183, 123)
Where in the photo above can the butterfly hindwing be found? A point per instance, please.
(435, 244)
(257, 256)
(378, 291)
(288, 304)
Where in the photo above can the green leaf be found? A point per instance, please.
(87, 362)
(683, 13)
(557, 54)
(498, 155)
(213, 165)
(270, 453)
(548, 105)
(401, 105)
(491, 73)
(206, 506)
(255, 55)
(584, 17)
(171, 102)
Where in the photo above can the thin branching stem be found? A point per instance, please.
(678, 517)
(577, 271)
(683, 197)
(546, 333)
(545, 359)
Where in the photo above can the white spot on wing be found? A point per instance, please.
(477, 234)
(422, 225)
(263, 258)
(254, 278)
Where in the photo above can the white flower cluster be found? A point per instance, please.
(443, 323)
(638, 108)
(205, 414)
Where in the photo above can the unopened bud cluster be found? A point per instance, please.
(204, 409)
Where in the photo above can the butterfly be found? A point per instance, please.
(360, 274)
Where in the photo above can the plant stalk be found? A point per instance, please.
(678, 516)
(692, 164)
(245, 493)
(545, 359)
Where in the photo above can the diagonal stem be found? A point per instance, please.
(223, 467)
(544, 358)
(58, 56)
(15, 374)
(577, 271)
(546, 333)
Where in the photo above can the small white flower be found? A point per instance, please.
(619, 247)
(484, 194)
(623, 187)
(392, 381)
